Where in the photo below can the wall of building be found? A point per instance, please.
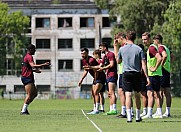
(58, 79)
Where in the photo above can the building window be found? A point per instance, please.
(65, 64)
(10, 65)
(42, 22)
(29, 25)
(108, 41)
(64, 43)
(43, 43)
(87, 22)
(19, 88)
(3, 88)
(43, 88)
(43, 61)
(88, 43)
(64, 22)
(107, 22)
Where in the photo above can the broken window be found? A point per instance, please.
(64, 22)
(65, 64)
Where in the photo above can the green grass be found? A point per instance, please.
(66, 115)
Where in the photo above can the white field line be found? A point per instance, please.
(92, 122)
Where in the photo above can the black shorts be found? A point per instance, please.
(131, 81)
(143, 84)
(102, 82)
(26, 80)
(112, 80)
(165, 79)
(155, 83)
(103, 88)
(120, 81)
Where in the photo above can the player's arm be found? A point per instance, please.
(158, 62)
(82, 78)
(119, 58)
(116, 47)
(33, 65)
(144, 68)
(111, 64)
(164, 57)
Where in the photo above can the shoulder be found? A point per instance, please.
(28, 56)
(152, 48)
(110, 54)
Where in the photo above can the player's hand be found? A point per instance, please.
(100, 69)
(116, 42)
(87, 67)
(80, 82)
(148, 81)
(37, 70)
(152, 69)
(46, 64)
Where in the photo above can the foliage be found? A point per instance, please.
(13, 27)
(55, 1)
(102, 4)
(141, 15)
(172, 37)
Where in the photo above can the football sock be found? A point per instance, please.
(149, 111)
(123, 111)
(145, 110)
(167, 110)
(25, 107)
(114, 107)
(129, 118)
(137, 114)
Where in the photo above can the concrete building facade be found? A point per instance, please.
(59, 31)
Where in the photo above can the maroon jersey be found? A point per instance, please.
(111, 72)
(152, 51)
(92, 62)
(161, 49)
(27, 70)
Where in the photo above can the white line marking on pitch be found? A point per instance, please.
(92, 122)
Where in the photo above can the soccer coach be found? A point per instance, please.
(133, 60)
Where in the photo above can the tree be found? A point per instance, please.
(171, 30)
(139, 16)
(13, 27)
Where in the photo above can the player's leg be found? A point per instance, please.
(102, 101)
(168, 97)
(150, 94)
(112, 87)
(128, 106)
(122, 97)
(123, 103)
(96, 91)
(144, 97)
(31, 94)
(138, 106)
(144, 102)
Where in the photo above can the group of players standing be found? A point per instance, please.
(147, 74)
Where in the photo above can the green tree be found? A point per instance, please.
(13, 27)
(139, 16)
(102, 4)
(171, 30)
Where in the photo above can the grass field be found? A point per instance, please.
(67, 115)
